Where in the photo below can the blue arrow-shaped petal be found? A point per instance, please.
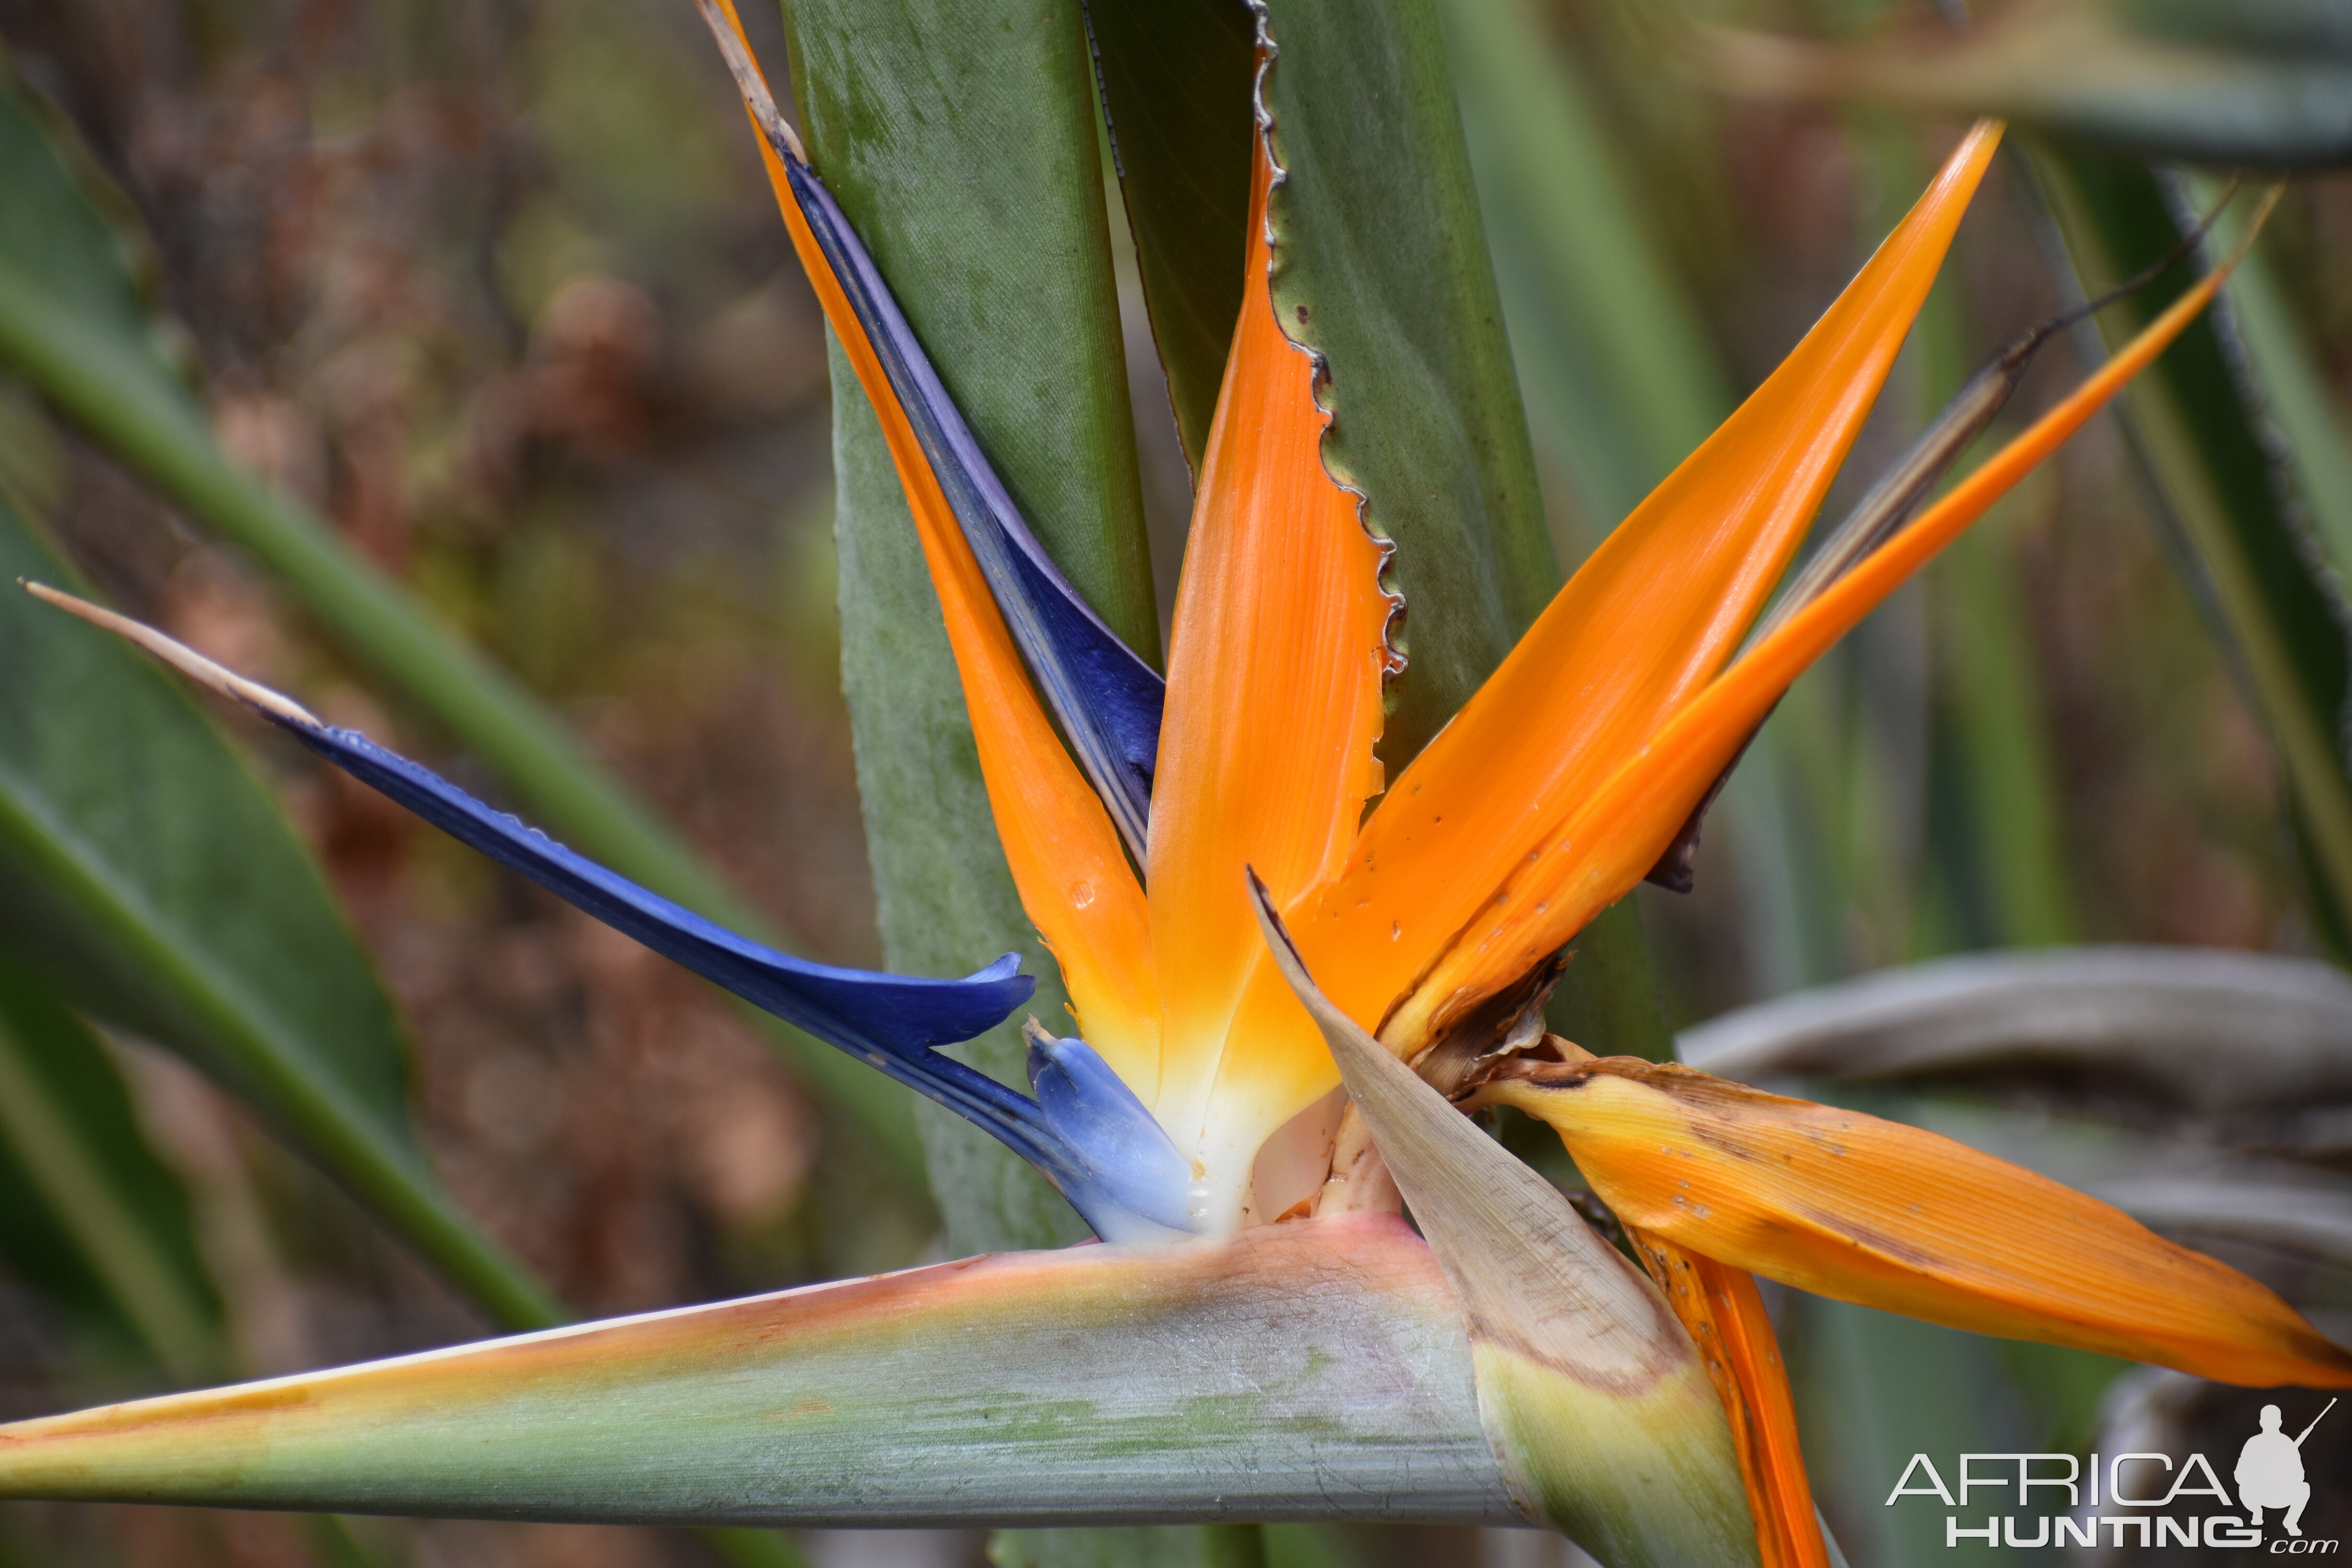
(1107, 699)
(891, 1021)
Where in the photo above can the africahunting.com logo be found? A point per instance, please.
(2128, 1499)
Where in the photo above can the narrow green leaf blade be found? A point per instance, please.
(72, 326)
(1624, 383)
(2296, 390)
(1176, 80)
(2009, 838)
(153, 881)
(1311, 1371)
(56, 236)
(87, 1211)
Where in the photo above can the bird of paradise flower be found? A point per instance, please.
(1245, 919)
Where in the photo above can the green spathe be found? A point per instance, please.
(1311, 1371)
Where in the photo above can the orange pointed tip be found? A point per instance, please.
(1460, 859)
(1618, 826)
(1886, 1216)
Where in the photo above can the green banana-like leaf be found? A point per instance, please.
(87, 1212)
(1310, 1371)
(72, 324)
(148, 876)
(1380, 267)
(1001, 261)
(1176, 78)
(2217, 490)
(2243, 83)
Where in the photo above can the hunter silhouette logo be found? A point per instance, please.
(2270, 1471)
(2126, 1501)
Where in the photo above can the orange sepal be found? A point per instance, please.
(1886, 1216)
(1617, 833)
(1725, 1314)
(1646, 621)
(1276, 662)
(1071, 870)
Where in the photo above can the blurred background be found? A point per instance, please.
(496, 286)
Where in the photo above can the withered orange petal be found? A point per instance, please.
(1276, 662)
(1066, 855)
(1647, 620)
(1617, 832)
(1887, 1215)
(1720, 1307)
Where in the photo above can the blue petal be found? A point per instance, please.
(1090, 1108)
(892, 1021)
(1093, 1139)
(1106, 699)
